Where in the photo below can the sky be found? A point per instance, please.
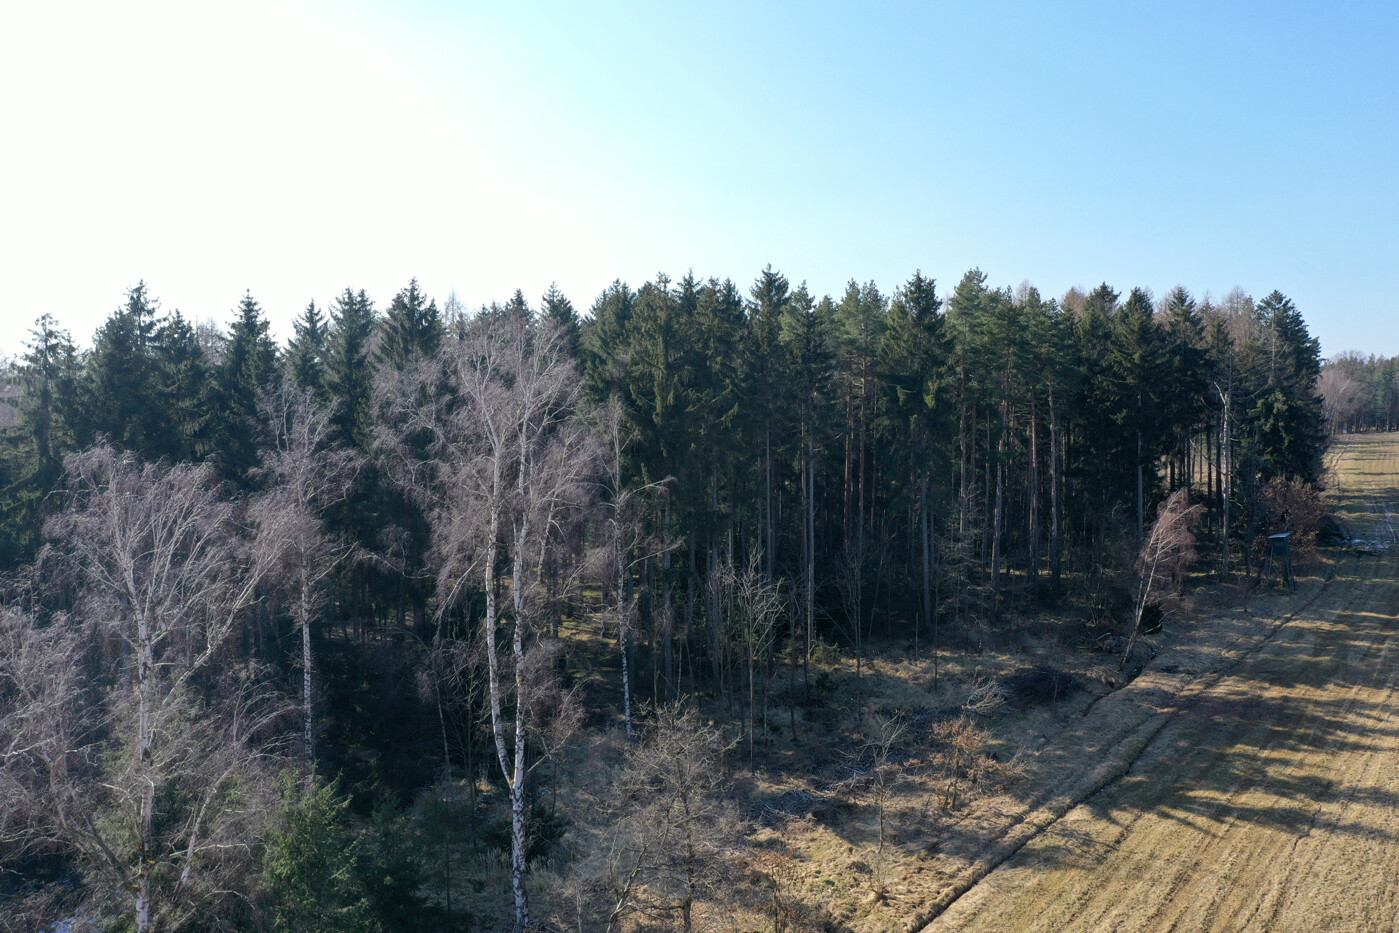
(294, 149)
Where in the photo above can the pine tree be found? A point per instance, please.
(1289, 416)
(187, 390)
(49, 374)
(860, 319)
(1137, 368)
(807, 346)
(913, 360)
(604, 342)
(1186, 401)
(767, 390)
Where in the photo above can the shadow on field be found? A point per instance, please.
(1263, 746)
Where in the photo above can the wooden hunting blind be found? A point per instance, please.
(1279, 556)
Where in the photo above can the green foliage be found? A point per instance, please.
(349, 371)
(309, 877)
(122, 398)
(309, 348)
(412, 328)
(406, 856)
(559, 311)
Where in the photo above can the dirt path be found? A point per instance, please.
(1264, 796)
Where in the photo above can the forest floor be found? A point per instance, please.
(1247, 779)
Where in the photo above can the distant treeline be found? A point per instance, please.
(1361, 392)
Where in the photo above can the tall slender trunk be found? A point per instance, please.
(864, 393)
(1226, 478)
(712, 557)
(145, 689)
(304, 618)
(771, 534)
(1032, 493)
(667, 613)
(926, 542)
(623, 627)
(512, 770)
(998, 510)
(1056, 500)
(519, 773)
(1141, 506)
(810, 483)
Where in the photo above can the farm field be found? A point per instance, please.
(1261, 793)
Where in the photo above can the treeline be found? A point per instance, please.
(1361, 392)
(217, 543)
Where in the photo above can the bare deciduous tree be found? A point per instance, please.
(630, 543)
(1168, 550)
(148, 762)
(666, 825)
(883, 732)
(509, 469)
(307, 475)
(755, 603)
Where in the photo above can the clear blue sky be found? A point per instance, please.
(294, 149)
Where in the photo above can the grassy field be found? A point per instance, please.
(1247, 780)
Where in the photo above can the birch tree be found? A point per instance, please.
(508, 469)
(308, 475)
(149, 760)
(629, 542)
(1168, 550)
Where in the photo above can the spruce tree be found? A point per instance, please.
(559, 311)
(309, 347)
(248, 367)
(49, 373)
(1136, 373)
(121, 384)
(187, 390)
(411, 329)
(349, 371)
(1290, 420)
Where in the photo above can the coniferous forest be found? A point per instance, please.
(520, 616)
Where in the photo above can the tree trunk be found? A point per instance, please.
(1032, 489)
(623, 629)
(771, 534)
(1056, 501)
(304, 617)
(145, 687)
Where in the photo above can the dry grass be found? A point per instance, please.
(1263, 796)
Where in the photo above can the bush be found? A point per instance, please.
(1293, 506)
(1034, 686)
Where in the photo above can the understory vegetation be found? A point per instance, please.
(701, 611)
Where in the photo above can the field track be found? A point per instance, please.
(1260, 797)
